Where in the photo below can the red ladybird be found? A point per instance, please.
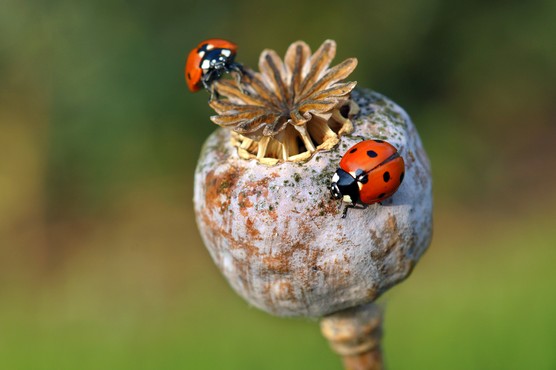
(369, 172)
(208, 62)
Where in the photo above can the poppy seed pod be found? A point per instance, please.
(276, 234)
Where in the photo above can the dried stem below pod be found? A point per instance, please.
(355, 335)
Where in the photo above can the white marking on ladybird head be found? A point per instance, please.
(335, 178)
(210, 46)
(360, 185)
(226, 52)
(202, 53)
(205, 64)
(347, 199)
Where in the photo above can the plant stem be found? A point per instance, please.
(355, 335)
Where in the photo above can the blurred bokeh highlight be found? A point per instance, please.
(101, 265)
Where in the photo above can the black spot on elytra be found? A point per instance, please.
(353, 150)
(381, 195)
(378, 141)
(401, 177)
(189, 75)
(386, 176)
(371, 153)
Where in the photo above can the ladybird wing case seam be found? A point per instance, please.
(366, 155)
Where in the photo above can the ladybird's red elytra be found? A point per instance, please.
(370, 172)
(208, 62)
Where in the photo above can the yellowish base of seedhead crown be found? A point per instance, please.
(296, 143)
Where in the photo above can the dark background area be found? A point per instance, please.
(101, 265)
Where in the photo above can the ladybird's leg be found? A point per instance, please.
(237, 67)
(344, 213)
(238, 75)
(210, 77)
(354, 206)
(247, 76)
(212, 95)
(348, 206)
(212, 91)
(207, 81)
(238, 81)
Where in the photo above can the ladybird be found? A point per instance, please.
(370, 172)
(208, 62)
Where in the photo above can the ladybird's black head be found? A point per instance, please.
(343, 184)
(216, 59)
(215, 63)
(335, 191)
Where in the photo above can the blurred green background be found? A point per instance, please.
(101, 265)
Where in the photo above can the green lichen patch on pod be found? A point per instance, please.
(279, 238)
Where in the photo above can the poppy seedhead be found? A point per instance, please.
(279, 238)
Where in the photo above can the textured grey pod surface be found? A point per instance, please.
(279, 238)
